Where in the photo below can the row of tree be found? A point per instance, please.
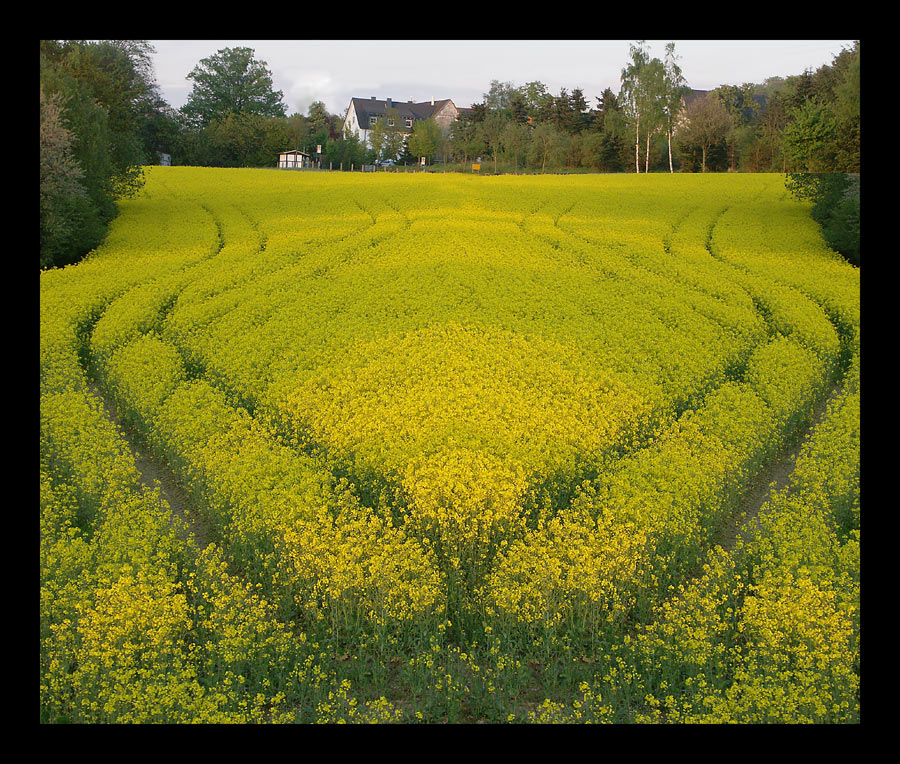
(99, 107)
(808, 122)
(102, 118)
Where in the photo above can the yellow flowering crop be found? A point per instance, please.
(474, 438)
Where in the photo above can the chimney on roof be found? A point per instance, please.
(432, 100)
(373, 98)
(388, 100)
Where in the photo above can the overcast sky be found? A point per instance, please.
(334, 71)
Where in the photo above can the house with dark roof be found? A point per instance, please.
(364, 113)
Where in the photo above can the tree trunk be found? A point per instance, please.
(669, 134)
(703, 164)
(637, 146)
(647, 157)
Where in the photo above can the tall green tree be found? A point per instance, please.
(562, 112)
(387, 136)
(744, 109)
(516, 138)
(300, 132)
(65, 209)
(160, 128)
(535, 94)
(346, 152)
(232, 81)
(707, 123)
(322, 126)
(580, 110)
(766, 153)
(675, 88)
(808, 136)
(546, 141)
(246, 140)
(653, 103)
(606, 102)
(108, 81)
(100, 90)
(633, 95)
(231, 139)
(425, 139)
(479, 112)
(539, 101)
(518, 107)
(465, 139)
(845, 108)
(491, 130)
(499, 96)
(318, 117)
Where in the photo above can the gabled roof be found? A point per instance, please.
(373, 107)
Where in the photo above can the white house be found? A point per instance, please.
(364, 113)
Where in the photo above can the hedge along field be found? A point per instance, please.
(466, 446)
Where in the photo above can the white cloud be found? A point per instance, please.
(333, 71)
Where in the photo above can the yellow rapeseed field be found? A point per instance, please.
(466, 448)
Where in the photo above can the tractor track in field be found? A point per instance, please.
(772, 477)
(154, 474)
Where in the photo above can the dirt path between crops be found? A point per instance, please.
(777, 473)
(153, 473)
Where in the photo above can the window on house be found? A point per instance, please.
(390, 123)
(409, 121)
(373, 120)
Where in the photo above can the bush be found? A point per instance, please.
(841, 224)
(835, 197)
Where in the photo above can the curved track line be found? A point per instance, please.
(154, 474)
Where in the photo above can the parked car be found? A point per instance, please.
(386, 163)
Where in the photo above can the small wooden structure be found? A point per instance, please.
(294, 160)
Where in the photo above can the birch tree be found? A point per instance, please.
(675, 90)
(631, 94)
(654, 102)
(643, 99)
